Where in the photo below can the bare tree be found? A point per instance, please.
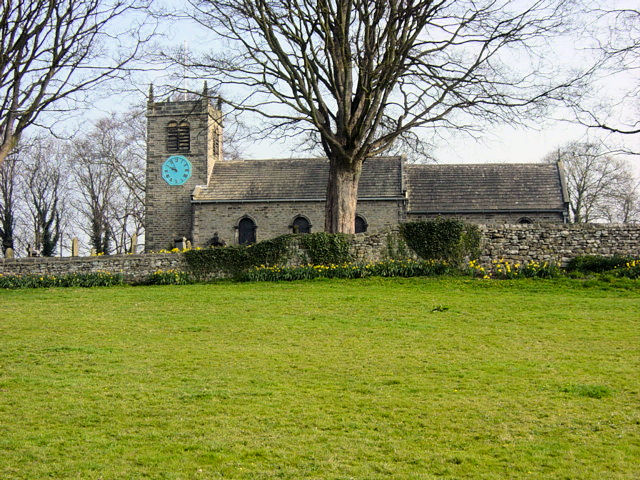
(95, 184)
(44, 190)
(51, 51)
(612, 104)
(108, 166)
(622, 204)
(357, 75)
(594, 180)
(8, 198)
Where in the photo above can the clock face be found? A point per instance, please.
(176, 170)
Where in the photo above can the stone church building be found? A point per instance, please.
(192, 192)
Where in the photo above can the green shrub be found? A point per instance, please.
(442, 239)
(389, 268)
(94, 279)
(326, 248)
(503, 270)
(168, 277)
(631, 269)
(396, 247)
(234, 259)
(596, 263)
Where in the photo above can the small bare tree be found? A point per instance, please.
(594, 180)
(108, 166)
(51, 51)
(622, 204)
(8, 199)
(358, 75)
(44, 190)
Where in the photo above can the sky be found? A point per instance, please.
(493, 143)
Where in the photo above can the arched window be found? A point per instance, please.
(301, 225)
(172, 137)
(246, 231)
(525, 220)
(361, 224)
(184, 138)
(178, 137)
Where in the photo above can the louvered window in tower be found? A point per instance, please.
(172, 137)
(184, 139)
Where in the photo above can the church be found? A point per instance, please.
(193, 193)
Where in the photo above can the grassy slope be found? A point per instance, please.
(324, 379)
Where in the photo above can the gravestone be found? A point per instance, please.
(75, 247)
(180, 243)
(8, 253)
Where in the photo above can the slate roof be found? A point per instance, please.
(484, 187)
(295, 179)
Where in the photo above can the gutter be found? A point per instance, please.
(279, 200)
(453, 212)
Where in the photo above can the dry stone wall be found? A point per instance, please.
(516, 243)
(558, 243)
(133, 267)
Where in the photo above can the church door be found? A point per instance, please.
(246, 231)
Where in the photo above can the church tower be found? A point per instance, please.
(184, 140)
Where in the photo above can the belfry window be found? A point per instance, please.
(178, 137)
(184, 139)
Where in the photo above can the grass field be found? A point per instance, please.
(366, 379)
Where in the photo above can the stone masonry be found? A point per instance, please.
(133, 267)
(558, 243)
(275, 218)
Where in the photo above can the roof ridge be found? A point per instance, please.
(474, 164)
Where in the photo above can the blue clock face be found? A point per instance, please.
(176, 170)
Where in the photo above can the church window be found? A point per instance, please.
(246, 231)
(216, 144)
(172, 137)
(301, 225)
(525, 220)
(178, 137)
(361, 224)
(184, 137)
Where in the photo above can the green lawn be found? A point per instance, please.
(376, 378)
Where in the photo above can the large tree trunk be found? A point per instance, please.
(342, 196)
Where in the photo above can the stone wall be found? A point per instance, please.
(134, 267)
(558, 243)
(515, 243)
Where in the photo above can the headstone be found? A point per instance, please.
(75, 247)
(180, 243)
(8, 253)
(94, 252)
(134, 243)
